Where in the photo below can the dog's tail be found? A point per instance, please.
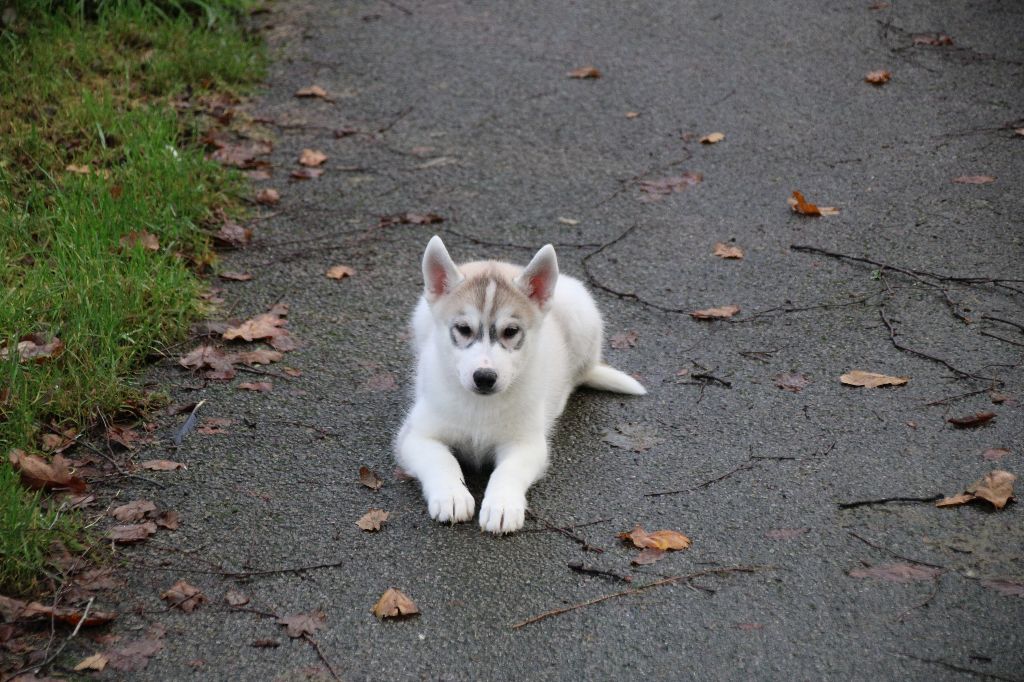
(605, 378)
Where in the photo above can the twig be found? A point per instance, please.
(999, 319)
(567, 533)
(49, 659)
(1004, 340)
(886, 500)
(635, 590)
(743, 466)
(707, 378)
(579, 567)
(402, 114)
(958, 668)
(869, 543)
(237, 575)
(952, 398)
(927, 600)
(306, 636)
(899, 346)
(264, 372)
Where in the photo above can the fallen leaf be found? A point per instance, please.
(749, 626)
(662, 539)
(585, 72)
(973, 179)
(998, 398)
(307, 173)
(794, 382)
(133, 511)
(35, 347)
(13, 610)
(634, 436)
(720, 313)
(77, 169)
(268, 196)
(135, 655)
(94, 662)
(311, 91)
(38, 473)
(394, 604)
(312, 158)
(996, 487)
(372, 520)
(183, 596)
(370, 479)
(147, 240)
(656, 190)
(242, 155)
(303, 623)
(125, 436)
(1009, 588)
(266, 643)
(235, 598)
(994, 454)
(858, 377)
(56, 443)
(626, 339)
(340, 272)
(260, 356)
(129, 534)
(723, 250)
(803, 207)
(210, 358)
(1019, 132)
(256, 386)
(95, 579)
(258, 175)
(233, 235)
(880, 77)
(785, 533)
(292, 372)
(897, 573)
(568, 221)
(972, 420)
(167, 519)
(932, 39)
(269, 325)
(712, 138)
(162, 465)
(236, 276)
(648, 556)
(632, 114)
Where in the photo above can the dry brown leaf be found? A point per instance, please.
(996, 488)
(183, 596)
(216, 363)
(972, 420)
(897, 573)
(38, 473)
(858, 377)
(35, 347)
(372, 520)
(233, 235)
(125, 436)
(147, 240)
(880, 77)
(94, 662)
(340, 272)
(623, 340)
(994, 454)
(307, 173)
(656, 190)
(719, 313)
(955, 500)
(236, 276)
(242, 155)
(785, 533)
(292, 372)
(235, 598)
(637, 437)
(12, 610)
(269, 325)
(302, 624)
(974, 179)
(585, 72)
(133, 511)
(260, 356)
(632, 114)
(723, 250)
(712, 138)
(268, 196)
(162, 465)
(77, 169)
(394, 604)
(370, 479)
(661, 539)
(800, 205)
(311, 91)
(256, 386)
(128, 534)
(167, 519)
(794, 382)
(312, 158)
(932, 39)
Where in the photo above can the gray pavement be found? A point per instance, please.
(472, 116)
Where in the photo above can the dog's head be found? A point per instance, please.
(487, 313)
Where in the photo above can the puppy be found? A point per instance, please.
(499, 349)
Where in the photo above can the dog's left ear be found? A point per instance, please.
(440, 274)
(540, 276)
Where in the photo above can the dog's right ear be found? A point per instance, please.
(440, 275)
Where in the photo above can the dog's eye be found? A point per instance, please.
(463, 329)
(510, 332)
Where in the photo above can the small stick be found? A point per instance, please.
(635, 590)
(905, 349)
(959, 668)
(567, 533)
(869, 543)
(952, 398)
(49, 659)
(306, 636)
(999, 319)
(741, 467)
(1004, 340)
(927, 600)
(237, 575)
(579, 567)
(887, 500)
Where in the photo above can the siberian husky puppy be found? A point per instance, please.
(499, 349)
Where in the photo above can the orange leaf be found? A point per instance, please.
(394, 604)
(720, 313)
(340, 272)
(712, 138)
(880, 77)
(804, 207)
(723, 250)
(585, 72)
(312, 157)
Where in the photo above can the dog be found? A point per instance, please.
(499, 349)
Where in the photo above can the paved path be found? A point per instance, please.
(471, 116)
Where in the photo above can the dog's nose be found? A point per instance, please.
(485, 379)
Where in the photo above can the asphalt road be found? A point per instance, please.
(465, 109)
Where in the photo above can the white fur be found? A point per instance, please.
(561, 350)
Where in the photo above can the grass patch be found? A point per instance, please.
(93, 84)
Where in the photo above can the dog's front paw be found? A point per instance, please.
(454, 504)
(502, 512)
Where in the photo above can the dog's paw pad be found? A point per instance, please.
(453, 505)
(502, 513)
